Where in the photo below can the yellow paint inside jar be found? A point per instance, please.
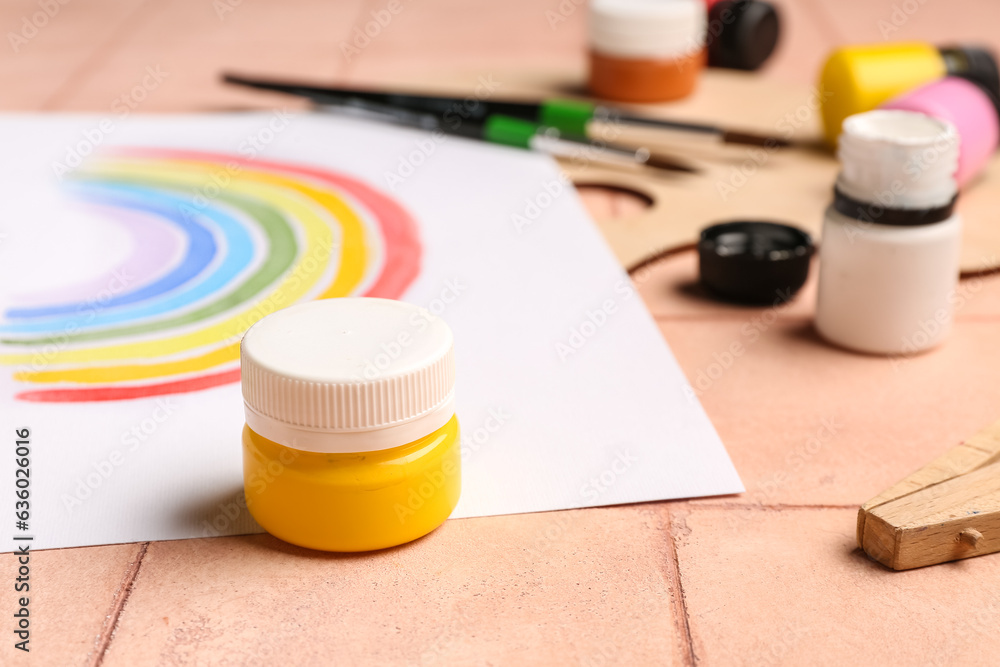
(353, 501)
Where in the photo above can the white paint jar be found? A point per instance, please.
(889, 255)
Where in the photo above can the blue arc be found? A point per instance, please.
(200, 251)
(238, 241)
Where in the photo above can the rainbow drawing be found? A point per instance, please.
(218, 241)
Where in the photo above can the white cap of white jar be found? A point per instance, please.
(348, 375)
(899, 159)
(654, 29)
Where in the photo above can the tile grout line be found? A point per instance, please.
(103, 642)
(87, 68)
(772, 507)
(681, 618)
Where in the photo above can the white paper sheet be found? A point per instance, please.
(567, 394)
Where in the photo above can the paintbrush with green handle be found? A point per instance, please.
(570, 117)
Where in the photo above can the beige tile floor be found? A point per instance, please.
(769, 577)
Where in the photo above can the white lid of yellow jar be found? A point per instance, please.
(348, 375)
(654, 29)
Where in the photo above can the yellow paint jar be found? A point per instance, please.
(856, 79)
(351, 441)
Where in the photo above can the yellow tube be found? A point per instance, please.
(860, 78)
(353, 502)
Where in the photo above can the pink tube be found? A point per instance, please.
(966, 106)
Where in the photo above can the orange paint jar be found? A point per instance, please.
(646, 50)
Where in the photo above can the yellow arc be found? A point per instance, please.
(96, 374)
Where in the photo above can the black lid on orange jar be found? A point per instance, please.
(742, 34)
(754, 262)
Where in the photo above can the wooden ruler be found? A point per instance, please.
(947, 510)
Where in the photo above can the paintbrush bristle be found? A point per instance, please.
(670, 163)
(752, 139)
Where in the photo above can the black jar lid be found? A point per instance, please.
(975, 63)
(754, 262)
(742, 33)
